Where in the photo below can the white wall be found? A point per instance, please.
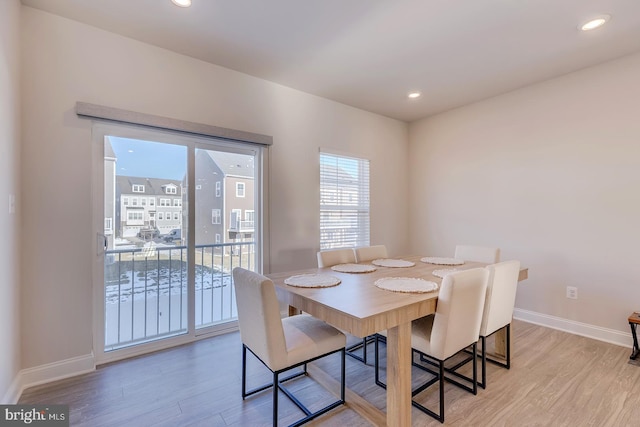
(65, 62)
(549, 173)
(9, 179)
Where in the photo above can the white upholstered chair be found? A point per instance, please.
(498, 309)
(364, 254)
(369, 253)
(333, 257)
(281, 344)
(454, 327)
(477, 254)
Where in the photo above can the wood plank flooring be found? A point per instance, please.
(556, 379)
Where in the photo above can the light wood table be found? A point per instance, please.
(360, 308)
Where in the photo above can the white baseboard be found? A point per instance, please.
(611, 336)
(46, 373)
(12, 395)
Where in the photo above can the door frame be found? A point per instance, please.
(100, 129)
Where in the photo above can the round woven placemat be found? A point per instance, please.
(406, 284)
(354, 268)
(393, 263)
(312, 281)
(442, 261)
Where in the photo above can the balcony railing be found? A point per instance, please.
(241, 226)
(146, 290)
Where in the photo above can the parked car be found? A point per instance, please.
(175, 234)
(148, 233)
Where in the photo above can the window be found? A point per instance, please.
(134, 216)
(177, 202)
(239, 189)
(165, 202)
(152, 201)
(160, 215)
(344, 201)
(217, 238)
(134, 201)
(176, 216)
(215, 216)
(108, 226)
(170, 189)
(218, 190)
(137, 188)
(125, 201)
(143, 201)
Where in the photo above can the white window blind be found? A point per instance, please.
(344, 201)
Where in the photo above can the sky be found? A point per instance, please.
(149, 159)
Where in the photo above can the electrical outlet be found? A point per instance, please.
(572, 292)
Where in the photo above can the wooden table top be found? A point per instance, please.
(357, 305)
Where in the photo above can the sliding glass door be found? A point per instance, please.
(179, 213)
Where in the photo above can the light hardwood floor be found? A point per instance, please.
(556, 379)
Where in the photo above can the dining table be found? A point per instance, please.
(357, 306)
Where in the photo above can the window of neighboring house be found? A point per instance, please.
(344, 201)
(125, 201)
(108, 225)
(134, 216)
(137, 188)
(239, 189)
(165, 202)
(215, 216)
(217, 238)
(176, 216)
(177, 202)
(218, 188)
(143, 201)
(248, 217)
(152, 201)
(170, 190)
(160, 216)
(134, 201)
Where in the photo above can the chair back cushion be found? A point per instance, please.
(369, 253)
(501, 296)
(336, 256)
(259, 317)
(477, 254)
(456, 324)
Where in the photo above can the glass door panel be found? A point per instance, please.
(225, 232)
(145, 263)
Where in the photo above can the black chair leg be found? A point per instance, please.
(441, 379)
(475, 369)
(483, 383)
(244, 371)
(278, 385)
(275, 400)
(508, 352)
(376, 362)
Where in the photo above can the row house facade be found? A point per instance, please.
(224, 197)
(147, 203)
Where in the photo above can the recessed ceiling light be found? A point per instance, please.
(182, 3)
(414, 95)
(596, 22)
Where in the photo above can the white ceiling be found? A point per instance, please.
(371, 53)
